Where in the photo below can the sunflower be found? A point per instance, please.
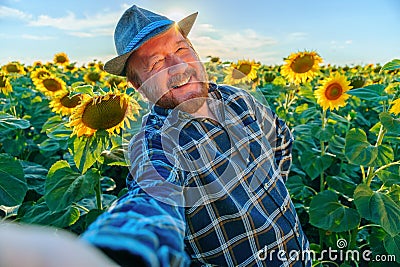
(61, 59)
(242, 71)
(108, 112)
(50, 84)
(115, 82)
(5, 86)
(13, 68)
(70, 68)
(93, 76)
(301, 66)
(357, 81)
(37, 64)
(38, 74)
(395, 109)
(393, 88)
(332, 92)
(64, 103)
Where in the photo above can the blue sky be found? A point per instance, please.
(341, 31)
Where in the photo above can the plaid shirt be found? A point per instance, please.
(207, 192)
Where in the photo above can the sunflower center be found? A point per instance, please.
(61, 59)
(52, 85)
(333, 91)
(70, 102)
(214, 59)
(303, 64)
(3, 81)
(242, 71)
(70, 67)
(12, 68)
(104, 114)
(94, 76)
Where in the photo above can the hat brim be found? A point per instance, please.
(116, 65)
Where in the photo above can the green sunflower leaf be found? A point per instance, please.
(392, 246)
(391, 124)
(297, 188)
(378, 208)
(358, 150)
(392, 65)
(374, 92)
(84, 89)
(65, 186)
(323, 134)
(41, 214)
(327, 213)
(9, 122)
(313, 164)
(13, 184)
(87, 150)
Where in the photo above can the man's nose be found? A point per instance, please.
(176, 65)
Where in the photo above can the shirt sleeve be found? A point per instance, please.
(278, 134)
(145, 227)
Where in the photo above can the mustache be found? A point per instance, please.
(178, 78)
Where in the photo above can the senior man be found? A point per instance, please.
(208, 167)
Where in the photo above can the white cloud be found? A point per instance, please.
(71, 23)
(340, 44)
(295, 36)
(93, 33)
(7, 12)
(36, 37)
(232, 45)
(92, 25)
(26, 37)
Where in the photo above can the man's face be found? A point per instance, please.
(171, 72)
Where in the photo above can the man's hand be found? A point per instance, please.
(34, 246)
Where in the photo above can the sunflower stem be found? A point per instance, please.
(352, 243)
(363, 173)
(98, 195)
(322, 178)
(386, 166)
(370, 173)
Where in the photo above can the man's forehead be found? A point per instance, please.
(170, 37)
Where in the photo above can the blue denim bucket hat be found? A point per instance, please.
(135, 27)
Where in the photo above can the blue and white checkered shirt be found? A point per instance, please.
(207, 192)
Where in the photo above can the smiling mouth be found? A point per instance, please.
(182, 83)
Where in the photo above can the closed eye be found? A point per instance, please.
(181, 49)
(156, 64)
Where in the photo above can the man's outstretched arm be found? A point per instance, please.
(145, 227)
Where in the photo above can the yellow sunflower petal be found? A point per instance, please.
(103, 112)
(332, 92)
(5, 85)
(61, 59)
(242, 71)
(50, 85)
(301, 67)
(395, 109)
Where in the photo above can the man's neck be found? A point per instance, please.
(204, 112)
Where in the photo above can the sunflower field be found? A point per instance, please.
(64, 130)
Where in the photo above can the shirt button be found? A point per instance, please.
(296, 230)
(284, 209)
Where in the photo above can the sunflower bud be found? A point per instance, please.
(357, 81)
